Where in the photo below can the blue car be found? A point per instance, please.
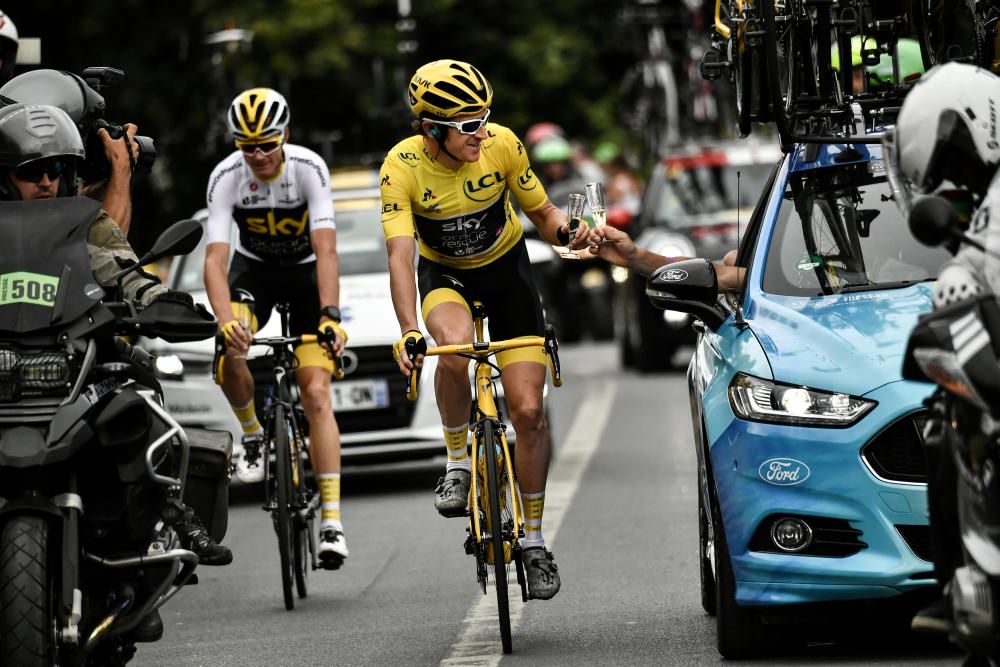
(812, 482)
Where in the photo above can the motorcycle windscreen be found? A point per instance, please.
(45, 275)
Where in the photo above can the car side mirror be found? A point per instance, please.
(690, 286)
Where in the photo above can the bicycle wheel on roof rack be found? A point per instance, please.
(743, 78)
(782, 67)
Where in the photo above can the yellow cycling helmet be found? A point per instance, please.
(447, 88)
(257, 114)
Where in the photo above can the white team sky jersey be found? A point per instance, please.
(274, 218)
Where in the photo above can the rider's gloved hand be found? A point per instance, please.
(401, 352)
(237, 338)
(333, 338)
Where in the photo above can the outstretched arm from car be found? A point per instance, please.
(616, 247)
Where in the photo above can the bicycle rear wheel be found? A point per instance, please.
(497, 555)
(303, 515)
(283, 496)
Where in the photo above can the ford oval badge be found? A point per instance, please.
(783, 472)
(674, 274)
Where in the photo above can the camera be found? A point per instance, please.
(81, 97)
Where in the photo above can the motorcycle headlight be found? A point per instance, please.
(27, 373)
(169, 366)
(756, 399)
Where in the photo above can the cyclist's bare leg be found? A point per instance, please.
(324, 452)
(237, 382)
(523, 384)
(324, 434)
(449, 323)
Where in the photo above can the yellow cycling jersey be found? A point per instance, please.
(463, 219)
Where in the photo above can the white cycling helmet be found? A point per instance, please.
(258, 114)
(8, 47)
(946, 131)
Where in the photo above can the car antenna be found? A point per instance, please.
(740, 323)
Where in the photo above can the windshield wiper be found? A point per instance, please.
(895, 284)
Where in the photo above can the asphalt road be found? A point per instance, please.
(620, 518)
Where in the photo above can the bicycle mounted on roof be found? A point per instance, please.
(789, 59)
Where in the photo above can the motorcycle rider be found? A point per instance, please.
(33, 165)
(945, 142)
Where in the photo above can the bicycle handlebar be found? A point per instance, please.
(485, 349)
(276, 342)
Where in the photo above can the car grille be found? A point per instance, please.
(373, 362)
(896, 454)
(377, 362)
(830, 537)
(918, 538)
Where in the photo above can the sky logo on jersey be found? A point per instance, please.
(481, 190)
(272, 227)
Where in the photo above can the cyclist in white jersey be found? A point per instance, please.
(278, 195)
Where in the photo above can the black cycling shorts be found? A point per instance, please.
(505, 286)
(271, 284)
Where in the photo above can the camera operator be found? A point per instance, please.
(114, 153)
(115, 192)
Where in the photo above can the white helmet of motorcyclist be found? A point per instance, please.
(946, 131)
(955, 283)
(8, 47)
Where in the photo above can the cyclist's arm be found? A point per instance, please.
(324, 243)
(402, 282)
(549, 219)
(217, 281)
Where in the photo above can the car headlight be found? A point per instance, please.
(169, 366)
(755, 399)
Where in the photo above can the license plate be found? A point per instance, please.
(359, 394)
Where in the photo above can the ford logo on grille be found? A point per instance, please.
(783, 472)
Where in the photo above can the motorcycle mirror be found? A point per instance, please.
(179, 239)
(934, 221)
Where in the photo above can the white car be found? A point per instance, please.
(376, 420)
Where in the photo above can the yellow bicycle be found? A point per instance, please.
(496, 522)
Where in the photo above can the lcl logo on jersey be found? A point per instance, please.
(284, 227)
(527, 180)
(478, 190)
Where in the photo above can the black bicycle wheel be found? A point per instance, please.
(496, 554)
(283, 497)
(302, 522)
(778, 72)
(743, 76)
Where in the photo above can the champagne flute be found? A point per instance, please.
(595, 199)
(574, 213)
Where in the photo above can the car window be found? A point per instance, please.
(360, 245)
(686, 194)
(838, 230)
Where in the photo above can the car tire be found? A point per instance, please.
(623, 313)
(707, 575)
(739, 631)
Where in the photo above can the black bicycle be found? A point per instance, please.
(290, 491)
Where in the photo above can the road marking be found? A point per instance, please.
(479, 642)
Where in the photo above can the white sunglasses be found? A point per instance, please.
(470, 126)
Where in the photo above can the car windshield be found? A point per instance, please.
(360, 244)
(688, 195)
(838, 230)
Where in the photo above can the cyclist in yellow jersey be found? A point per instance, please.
(446, 192)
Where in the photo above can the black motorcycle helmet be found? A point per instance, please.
(31, 132)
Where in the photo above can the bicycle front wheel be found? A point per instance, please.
(499, 504)
(283, 495)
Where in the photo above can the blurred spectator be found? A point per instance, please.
(541, 131)
(623, 190)
(585, 165)
(552, 159)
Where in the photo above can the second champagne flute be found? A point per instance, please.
(595, 198)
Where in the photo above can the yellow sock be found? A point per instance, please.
(456, 439)
(329, 493)
(533, 504)
(248, 418)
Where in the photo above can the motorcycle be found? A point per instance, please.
(93, 471)
(957, 347)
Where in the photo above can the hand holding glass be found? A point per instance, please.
(595, 199)
(574, 213)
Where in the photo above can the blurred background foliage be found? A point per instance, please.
(339, 62)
